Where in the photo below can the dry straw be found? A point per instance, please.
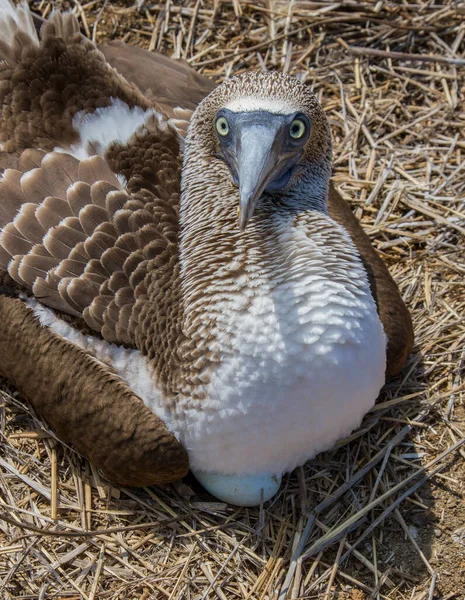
(380, 516)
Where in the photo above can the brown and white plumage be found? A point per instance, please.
(73, 235)
(173, 83)
(97, 238)
(80, 240)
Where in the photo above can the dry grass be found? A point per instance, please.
(383, 514)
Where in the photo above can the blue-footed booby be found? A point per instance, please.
(173, 299)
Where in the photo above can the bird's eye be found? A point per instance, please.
(298, 129)
(222, 126)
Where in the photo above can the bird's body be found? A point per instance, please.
(279, 307)
(256, 340)
(281, 330)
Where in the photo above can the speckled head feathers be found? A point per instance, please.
(272, 92)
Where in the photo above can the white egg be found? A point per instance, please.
(240, 490)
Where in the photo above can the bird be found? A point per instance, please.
(173, 83)
(181, 288)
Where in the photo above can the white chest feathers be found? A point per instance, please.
(303, 356)
(301, 359)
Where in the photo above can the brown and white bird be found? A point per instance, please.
(168, 302)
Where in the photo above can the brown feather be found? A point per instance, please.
(113, 259)
(11, 195)
(124, 297)
(30, 159)
(123, 325)
(78, 196)
(118, 281)
(115, 201)
(91, 217)
(47, 217)
(46, 291)
(95, 277)
(127, 242)
(70, 268)
(35, 186)
(58, 206)
(40, 250)
(70, 233)
(98, 244)
(13, 270)
(13, 242)
(98, 306)
(96, 169)
(34, 266)
(95, 266)
(78, 292)
(56, 246)
(61, 171)
(28, 225)
(99, 192)
(121, 220)
(79, 253)
(139, 219)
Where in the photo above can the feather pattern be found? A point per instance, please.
(71, 232)
(76, 212)
(230, 331)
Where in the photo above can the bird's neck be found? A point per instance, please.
(222, 267)
(210, 201)
(210, 235)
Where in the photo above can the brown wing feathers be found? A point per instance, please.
(65, 251)
(72, 234)
(45, 237)
(43, 85)
(87, 249)
(86, 403)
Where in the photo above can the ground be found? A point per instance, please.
(399, 127)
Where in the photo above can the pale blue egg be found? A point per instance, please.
(240, 490)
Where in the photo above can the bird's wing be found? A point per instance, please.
(170, 82)
(392, 311)
(85, 402)
(92, 236)
(75, 237)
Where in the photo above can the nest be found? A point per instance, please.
(382, 515)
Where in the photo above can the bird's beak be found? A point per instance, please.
(258, 156)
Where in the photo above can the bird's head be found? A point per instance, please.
(269, 129)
